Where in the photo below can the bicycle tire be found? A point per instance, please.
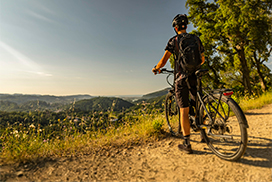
(232, 124)
(172, 114)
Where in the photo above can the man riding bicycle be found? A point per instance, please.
(185, 83)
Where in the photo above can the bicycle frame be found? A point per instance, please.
(200, 103)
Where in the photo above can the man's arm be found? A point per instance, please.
(162, 62)
(202, 58)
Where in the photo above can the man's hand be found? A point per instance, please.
(155, 71)
(162, 62)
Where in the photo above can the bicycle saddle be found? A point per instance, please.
(201, 72)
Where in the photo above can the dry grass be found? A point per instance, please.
(22, 147)
(256, 103)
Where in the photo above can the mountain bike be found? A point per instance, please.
(218, 117)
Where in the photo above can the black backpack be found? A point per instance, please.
(188, 53)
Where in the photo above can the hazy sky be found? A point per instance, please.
(96, 47)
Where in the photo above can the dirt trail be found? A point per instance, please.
(161, 161)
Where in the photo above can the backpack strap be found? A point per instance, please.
(176, 46)
(177, 55)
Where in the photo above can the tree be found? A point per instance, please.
(261, 47)
(228, 25)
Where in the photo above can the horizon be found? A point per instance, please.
(128, 95)
(97, 48)
(72, 95)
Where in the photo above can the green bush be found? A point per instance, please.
(157, 125)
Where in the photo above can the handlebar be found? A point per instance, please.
(170, 73)
(165, 71)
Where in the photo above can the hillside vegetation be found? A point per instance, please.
(33, 105)
(39, 134)
(156, 94)
(103, 104)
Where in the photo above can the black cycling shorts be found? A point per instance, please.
(182, 91)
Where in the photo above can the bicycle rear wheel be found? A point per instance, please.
(226, 133)
(172, 114)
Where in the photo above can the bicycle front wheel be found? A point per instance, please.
(226, 133)
(172, 114)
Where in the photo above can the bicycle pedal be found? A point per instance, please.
(195, 128)
(203, 127)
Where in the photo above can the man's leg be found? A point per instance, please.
(184, 120)
(182, 95)
(185, 124)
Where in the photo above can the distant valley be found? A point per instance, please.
(51, 99)
(26, 103)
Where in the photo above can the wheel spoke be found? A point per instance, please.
(172, 114)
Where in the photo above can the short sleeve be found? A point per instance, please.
(170, 45)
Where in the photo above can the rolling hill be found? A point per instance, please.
(102, 104)
(22, 98)
(156, 94)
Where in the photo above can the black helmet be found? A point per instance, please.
(180, 19)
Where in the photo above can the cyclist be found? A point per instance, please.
(181, 87)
